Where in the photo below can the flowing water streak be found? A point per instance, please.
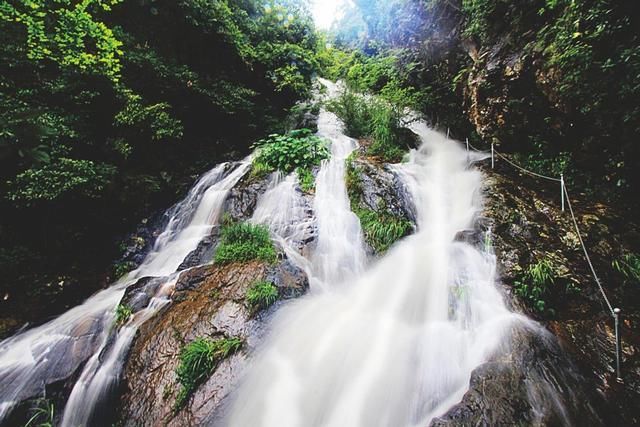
(396, 348)
(51, 352)
(339, 254)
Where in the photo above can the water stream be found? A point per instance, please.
(395, 345)
(390, 342)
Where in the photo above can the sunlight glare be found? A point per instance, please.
(325, 12)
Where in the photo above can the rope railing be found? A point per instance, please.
(564, 194)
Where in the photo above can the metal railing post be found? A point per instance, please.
(492, 156)
(467, 144)
(562, 190)
(447, 133)
(616, 317)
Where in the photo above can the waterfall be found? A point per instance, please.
(53, 351)
(394, 345)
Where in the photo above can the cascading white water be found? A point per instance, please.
(397, 346)
(339, 254)
(54, 350)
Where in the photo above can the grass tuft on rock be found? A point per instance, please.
(198, 360)
(243, 242)
(261, 295)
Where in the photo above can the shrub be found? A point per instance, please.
(535, 283)
(261, 295)
(629, 266)
(368, 117)
(123, 314)
(297, 149)
(244, 242)
(306, 179)
(198, 360)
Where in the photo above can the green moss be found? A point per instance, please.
(244, 242)
(261, 295)
(198, 360)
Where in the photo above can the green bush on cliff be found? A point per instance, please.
(262, 294)
(373, 118)
(242, 242)
(198, 360)
(286, 153)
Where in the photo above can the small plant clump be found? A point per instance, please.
(628, 265)
(299, 149)
(123, 314)
(534, 284)
(382, 229)
(262, 294)
(43, 414)
(198, 360)
(242, 242)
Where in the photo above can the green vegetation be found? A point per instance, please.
(262, 294)
(106, 116)
(628, 265)
(198, 360)
(381, 227)
(43, 414)
(286, 153)
(372, 118)
(123, 314)
(306, 179)
(242, 242)
(535, 283)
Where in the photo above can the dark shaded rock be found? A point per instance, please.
(138, 295)
(204, 252)
(527, 226)
(381, 189)
(243, 198)
(530, 383)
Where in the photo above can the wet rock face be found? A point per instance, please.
(381, 189)
(528, 382)
(208, 301)
(577, 361)
(243, 198)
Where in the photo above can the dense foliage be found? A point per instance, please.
(553, 81)
(286, 153)
(242, 242)
(108, 109)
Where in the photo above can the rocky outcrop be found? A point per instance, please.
(518, 387)
(208, 301)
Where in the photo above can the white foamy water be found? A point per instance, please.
(54, 350)
(395, 345)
